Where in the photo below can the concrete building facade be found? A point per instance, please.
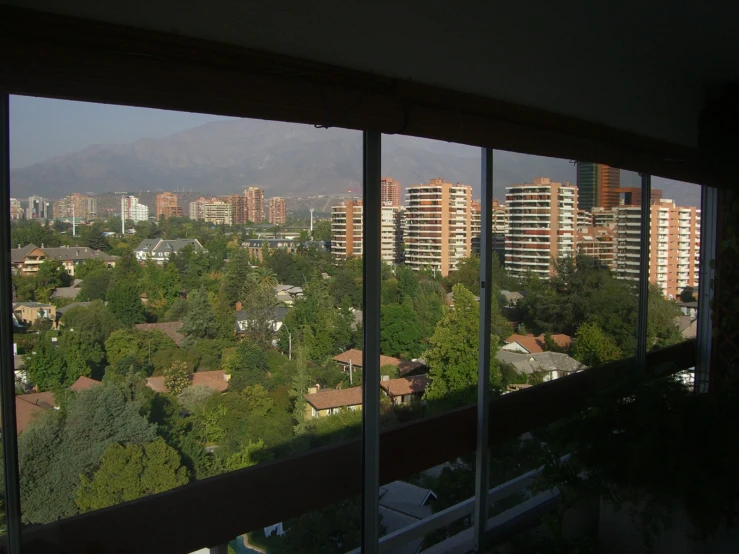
(598, 185)
(167, 205)
(277, 211)
(542, 226)
(390, 192)
(254, 204)
(133, 210)
(79, 206)
(347, 220)
(218, 212)
(438, 225)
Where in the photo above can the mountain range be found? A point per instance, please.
(284, 159)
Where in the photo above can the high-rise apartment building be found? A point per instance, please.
(38, 208)
(347, 219)
(16, 212)
(217, 212)
(167, 205)
(438, 225)
(542, 226)
(584, 219)
(604, 217)
(132, 210)
(390, 192)
(197, 208)
(597, 243)
(631, 196)
(79, 206)
(277, 211)
(346, 229)
(254, 204)
(598, 185)
(674, 245)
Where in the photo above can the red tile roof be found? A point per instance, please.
(29, 406)
(536, 344)
(84, 383)
(405, 385)
(341, 398)
(355, 355)
(216, 380)
(171, 328)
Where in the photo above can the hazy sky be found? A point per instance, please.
(41, 128)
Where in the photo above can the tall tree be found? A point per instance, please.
(593, 347)
(199, 323)
(46, 366)
(124, 300)
(96, 319)
(50, 276)
(95, 285)
(233, 285)
(452, 358)
(399, 332)
(130, 472)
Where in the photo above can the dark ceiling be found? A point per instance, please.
(637, 66)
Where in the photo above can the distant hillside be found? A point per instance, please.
(285, 159)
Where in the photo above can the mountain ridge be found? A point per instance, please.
(284, 159)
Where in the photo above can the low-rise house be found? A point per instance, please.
(352, 359)
(256, 246)
(68, 292)
(325, 402)
(29, 406)
(27, 313)
(216, 380)
(687, 325)
(169, 328)
(405, 389)
(160, 250)
(529, 344)
(244, 319)
(287, 294)
(511, 298)
(27, 259)
(552, 364)
(402, 504)
(689, 308)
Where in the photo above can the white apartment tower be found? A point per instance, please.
(542, 226)
(133, 210)
(439, 223)
(347, 220)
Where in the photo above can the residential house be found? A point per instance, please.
(68, 292)
(27, 313)
(61, 311)
(256, 246)
(687, 325)
(30, 406)
(27, 259)
(332, 401)
(511, 298)
(216, 380)
(243, 318)
(529, 344)
(552, 364)
(404, 389)
(287, 294)
(353, 359)
(402, 504)
(169, 328)
(160, 250)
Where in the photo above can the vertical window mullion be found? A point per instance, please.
(7, 367)
(482, 459)
(372, 272)
(641, 328)
(704, 336)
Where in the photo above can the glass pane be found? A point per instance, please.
(430, 225)
(179, 312)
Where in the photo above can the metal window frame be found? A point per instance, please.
(704, 335)
(372, 281)
(482, 458)
(7, 365)
(644, 245)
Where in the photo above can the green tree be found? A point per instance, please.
(58, 448)
(95, 285)
(322, 231)
(177, 377)
(87, 266)
(199, 323)
(141, 345)
(452, 358)
(247, 456)
(236, 278)
(257, 400)
(399, 332)
(83, 354)
(93, 237)
(95, 319)
(50, 275)
(130, 472)
(593, 347)
(259, 306)
(247, 366)
(46, 366)
(124, 300)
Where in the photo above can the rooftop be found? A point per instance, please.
(170, 328)
(542, 361)
(216, 380)
(537, 345)
(333, 398)
(405, 385)
(354, 356)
